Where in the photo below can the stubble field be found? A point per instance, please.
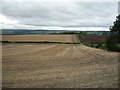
(50, 38)
(58, 66)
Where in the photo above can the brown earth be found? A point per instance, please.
(91, 38)
(50, 38)
(58, 66)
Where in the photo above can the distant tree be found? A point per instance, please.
(113, 42)
(82, 32)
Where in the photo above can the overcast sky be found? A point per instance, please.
(57, 15)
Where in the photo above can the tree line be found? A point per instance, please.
(113, 42)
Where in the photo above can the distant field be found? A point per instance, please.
(50, 38)
(91, 38)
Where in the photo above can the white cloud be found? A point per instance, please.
(5, 20)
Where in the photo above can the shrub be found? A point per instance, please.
(112, 43)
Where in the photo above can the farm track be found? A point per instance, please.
(58, 66)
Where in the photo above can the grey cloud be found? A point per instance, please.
(62, 13)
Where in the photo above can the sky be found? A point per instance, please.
(58, 15)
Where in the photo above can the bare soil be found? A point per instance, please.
(58, 66)
(91, 38)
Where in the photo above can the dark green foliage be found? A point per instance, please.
(114, 39)
(69, 33)
(82, 33)
(112, 43)
(116, 27)
(40, 42)
(98, 45)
